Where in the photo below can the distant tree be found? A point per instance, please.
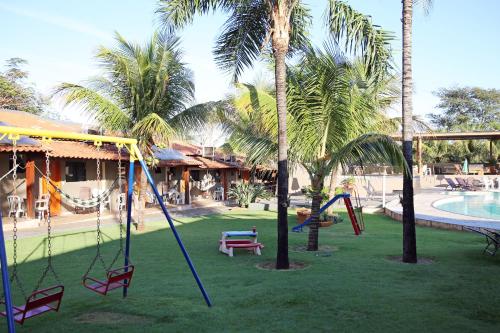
(15, 92)
(467, 108)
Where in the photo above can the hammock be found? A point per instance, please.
(89, 203)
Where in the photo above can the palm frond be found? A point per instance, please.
(178, 13)
(300, 23)
(98, 107)
(152, 130)
(242, 37)
(196, 116)
(360, 35)
(369, 148)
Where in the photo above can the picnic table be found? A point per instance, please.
(227, 244)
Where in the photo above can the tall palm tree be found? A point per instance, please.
(409, 234)
(334, 107)
(142, 92)
(281, 27)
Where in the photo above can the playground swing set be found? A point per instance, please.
(48, 299)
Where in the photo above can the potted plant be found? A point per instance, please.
(302, 215)
(325, 220)
(348, 184)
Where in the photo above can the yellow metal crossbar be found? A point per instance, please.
(130, 144)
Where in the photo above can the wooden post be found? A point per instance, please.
(224, 182)
(491, 150)
(419, 156)
(30, 188)
(245, 175)
(55, 177)
(185, 179)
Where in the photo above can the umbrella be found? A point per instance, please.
(465, 167)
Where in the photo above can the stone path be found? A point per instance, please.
(88, 221)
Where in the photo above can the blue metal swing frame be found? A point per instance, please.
(136, 155)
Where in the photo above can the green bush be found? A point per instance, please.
(245, 193)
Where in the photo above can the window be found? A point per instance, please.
(76, 172)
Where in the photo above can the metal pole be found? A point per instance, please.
(177, 237)
(384, 176)
(5, 282)
(130, 191)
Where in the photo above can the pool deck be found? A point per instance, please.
(427, 215)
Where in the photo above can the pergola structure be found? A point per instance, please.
(420, 137)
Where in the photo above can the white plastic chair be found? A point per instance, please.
(121, 201)
(488, 183)
(219, 194)
(42, 206)
(174, 197)
(15, 206)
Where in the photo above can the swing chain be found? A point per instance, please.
(120, 206)
(49, 267)
(99, 235)
(14, 276)
(120, 212)
(99, 238)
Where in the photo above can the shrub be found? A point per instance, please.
(244, 193)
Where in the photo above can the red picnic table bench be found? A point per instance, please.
(227, 245)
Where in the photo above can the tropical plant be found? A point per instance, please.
(245, 193)
(334, 105)
(279, 27)
(143, 92)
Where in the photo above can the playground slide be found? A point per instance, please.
(350, 212)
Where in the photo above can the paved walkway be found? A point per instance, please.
(426, 212)
(81, 222)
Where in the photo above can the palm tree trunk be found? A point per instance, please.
(335, 173)
(409, 236)
(316, 187)
(280, 42)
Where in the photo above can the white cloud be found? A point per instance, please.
(57, 20)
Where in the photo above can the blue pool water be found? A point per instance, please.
(485, 205)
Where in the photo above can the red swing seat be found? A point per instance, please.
(39, 302)
(117, 278)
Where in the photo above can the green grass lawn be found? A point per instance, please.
(352, 288)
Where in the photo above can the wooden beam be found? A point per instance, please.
(224, 182)
(185, 180)
(454, 136)
(30, 188)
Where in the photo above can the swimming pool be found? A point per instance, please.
(485, 205)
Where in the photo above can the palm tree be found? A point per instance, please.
(409, 234)
(279, 26)
(334, 106)
(143, 92)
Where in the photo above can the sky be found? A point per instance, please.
(456, 44)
